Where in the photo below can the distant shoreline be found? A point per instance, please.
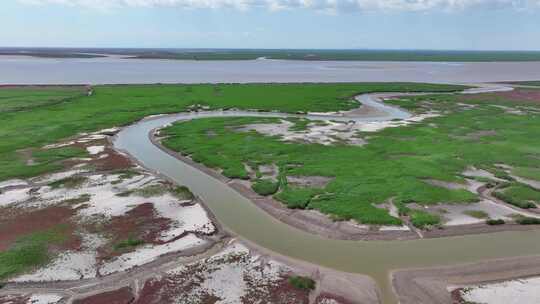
(279, 54)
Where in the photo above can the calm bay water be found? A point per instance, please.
(116, 70)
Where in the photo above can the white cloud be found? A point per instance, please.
(321, 5)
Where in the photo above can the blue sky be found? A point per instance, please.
(392, 24)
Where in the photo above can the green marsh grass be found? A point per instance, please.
(65, 111)
(30, 251)
(393, 165)
(519, 195)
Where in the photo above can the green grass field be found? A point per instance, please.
(528, 172)
(394, 164)
(35, 116)
(20, 99)
(519, 195)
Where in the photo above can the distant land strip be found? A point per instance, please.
(277, 54)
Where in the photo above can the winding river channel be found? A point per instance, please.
(376, 259)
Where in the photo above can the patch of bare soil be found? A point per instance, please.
(23, 223)
(444, 184)
(271, 171)
(26, 155)
(480, 134)
(309, 181)
(432, 285)
(325, 133)
(120, 296)
(365, 110)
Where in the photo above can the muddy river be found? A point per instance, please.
(374, 258)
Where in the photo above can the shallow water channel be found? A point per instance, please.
(374, 258)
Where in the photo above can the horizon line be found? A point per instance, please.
(264, 49)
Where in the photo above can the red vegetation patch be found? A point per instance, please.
(119, 296)
(456, 296)
(16, 223)
(518, 95)
(168, 290)
(113, 161)
(152, 292)
(173, 287)
(522, 95)
(285, 293)
(186, 284)
(140, 223)
(327, 296)
(14, 299)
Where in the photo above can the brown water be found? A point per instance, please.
(373, 258)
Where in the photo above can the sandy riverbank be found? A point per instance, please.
(431, 285)
(518, 291)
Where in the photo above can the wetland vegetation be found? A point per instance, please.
(36, 116)
(519, 195)
(395, 165)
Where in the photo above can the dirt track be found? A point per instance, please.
(73, 290)
(351, 288)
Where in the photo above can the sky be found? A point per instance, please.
(320, 24)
